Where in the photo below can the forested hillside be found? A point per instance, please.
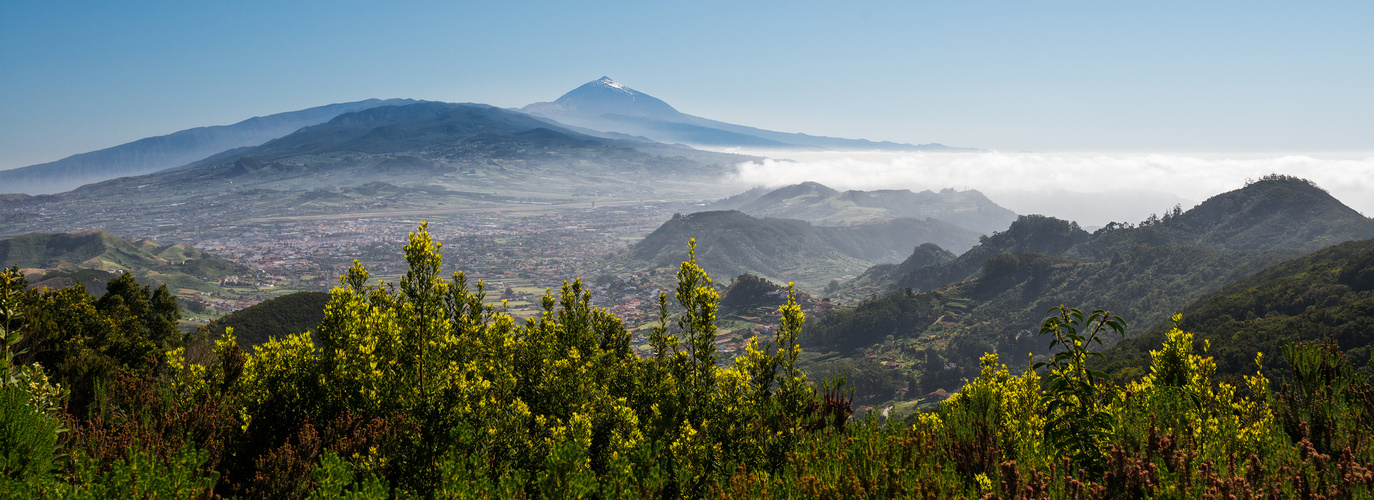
(1030, 233)
(879, 279)
(929, 333)
(278, 317)
(730, 243)
(1327, 295)
(1275, 212)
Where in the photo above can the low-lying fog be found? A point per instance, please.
(1093, 189)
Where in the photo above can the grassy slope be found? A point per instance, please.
(75, 256)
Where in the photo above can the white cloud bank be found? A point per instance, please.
(1091, 188)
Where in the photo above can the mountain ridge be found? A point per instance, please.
(938, 319)
(459, 155)
(820, 204)
(152, 154)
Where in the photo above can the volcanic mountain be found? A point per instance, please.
(419, 156)
(607, 106)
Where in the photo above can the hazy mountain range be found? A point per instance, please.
(172, 150)
(816, 203)
(731, 243)
(458, 155)
(600, 109)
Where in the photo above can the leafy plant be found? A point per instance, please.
(1075, 395)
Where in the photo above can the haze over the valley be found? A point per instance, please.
(1163, 77)
(1091, 188)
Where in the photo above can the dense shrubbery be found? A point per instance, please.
(421, 388)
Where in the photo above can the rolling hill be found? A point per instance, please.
(879, 279)
(1276, 212)
(90, 257)
(1328, 294)
(285, 315)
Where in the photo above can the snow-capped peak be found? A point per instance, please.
(607, 96)
(606, 81)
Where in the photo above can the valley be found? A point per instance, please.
(903, 290)
(521, 202)
(833, 250)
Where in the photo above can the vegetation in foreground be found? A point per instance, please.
(423, 389)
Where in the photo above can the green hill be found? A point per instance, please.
(1326, 294)
(878, 279)
(730, 243)
(1276, 212)
(279, 317)
(89, 258)
(1030, 233)
(749, 294)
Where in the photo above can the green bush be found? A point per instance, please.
(28, 438)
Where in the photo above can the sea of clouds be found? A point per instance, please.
(1091, 188)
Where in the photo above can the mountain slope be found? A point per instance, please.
(104, 251)
(1030, 233)
(993, 297)
(1326, 294)
(390, 129)
(878, 279)
(604, 96)
(608, 106)
(731, 243)
(1276, 212)
(179, 148)
(443, 156)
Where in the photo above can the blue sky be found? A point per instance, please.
(1251, 77)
